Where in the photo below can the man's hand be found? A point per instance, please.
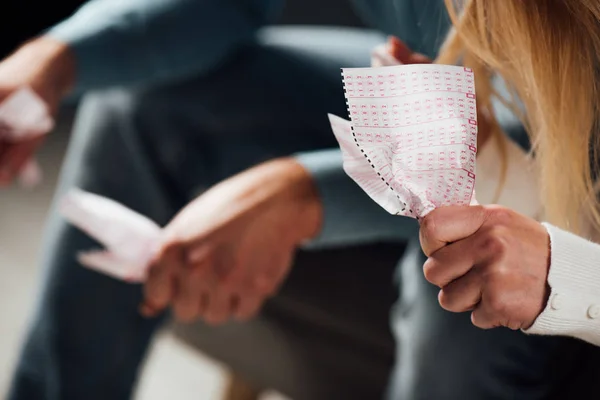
(489, 260)
(231, 248)
(47, 67)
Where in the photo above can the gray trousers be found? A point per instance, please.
(155, 149)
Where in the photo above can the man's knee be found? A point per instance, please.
(117, 129)
(109, 115)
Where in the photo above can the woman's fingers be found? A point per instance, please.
(449, 224)
(462, 294)
(452, 261)
(483, 317)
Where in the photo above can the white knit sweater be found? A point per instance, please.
(573, 307)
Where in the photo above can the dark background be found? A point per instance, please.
(24, 19)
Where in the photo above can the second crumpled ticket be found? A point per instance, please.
(411, 143)
(130, 239)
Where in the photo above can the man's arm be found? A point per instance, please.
(350, 216)
(136, 41)
(232, 247)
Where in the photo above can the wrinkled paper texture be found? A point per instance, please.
(130, 239)
(411, 141)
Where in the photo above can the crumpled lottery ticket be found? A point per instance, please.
(130, 239)
(411, 143)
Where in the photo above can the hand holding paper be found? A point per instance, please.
(411, 143)
(24, 118)
(221, 256)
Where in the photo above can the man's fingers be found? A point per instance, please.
(269, 282)
(147, 310)
(160, 285)
(5, 172)
(462, 294)
(220, 306)
(399, 50)
(224, 263)
(198, 254)
(205, 294)
(449, 224)
(188, 299)
(248, 307)
(14, 156)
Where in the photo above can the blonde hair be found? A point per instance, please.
(548, 53)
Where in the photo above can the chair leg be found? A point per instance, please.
(237, 388)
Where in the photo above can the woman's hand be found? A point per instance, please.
(488, 260)
(231, 248)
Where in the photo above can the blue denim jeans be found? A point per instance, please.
(155, 149)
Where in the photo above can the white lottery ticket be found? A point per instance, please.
(411, 141)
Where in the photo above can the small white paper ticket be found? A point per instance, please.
(411, 143)
(130, 239)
